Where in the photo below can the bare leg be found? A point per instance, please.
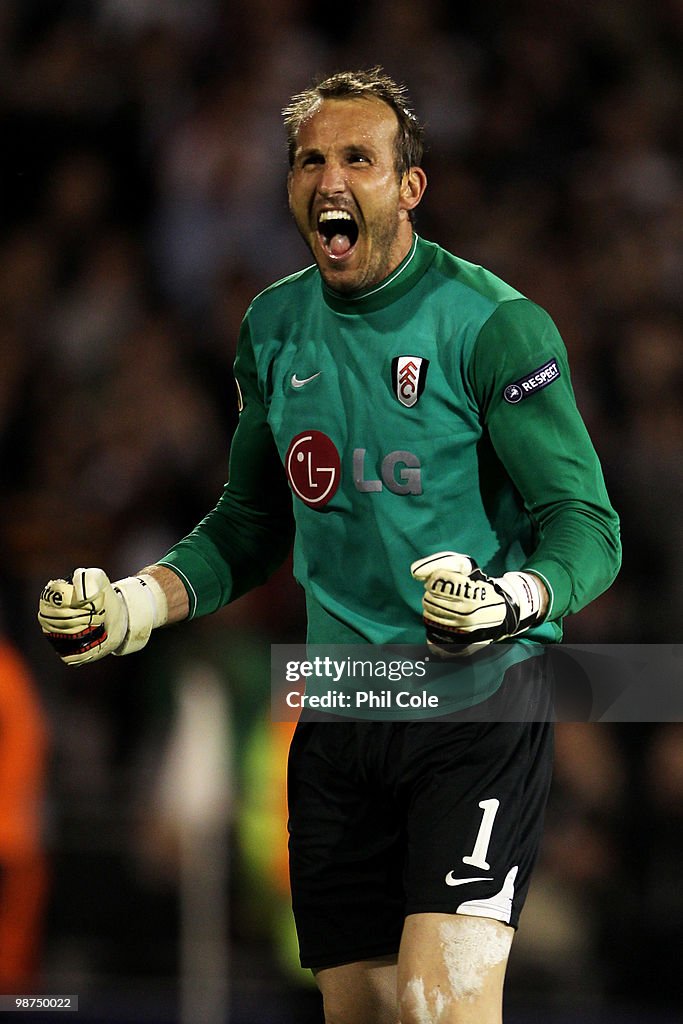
(451, 969)
(360, 993)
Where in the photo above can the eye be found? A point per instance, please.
(311, 159)
(358, 158)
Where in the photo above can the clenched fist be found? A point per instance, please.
(465, 610)
(86, 617)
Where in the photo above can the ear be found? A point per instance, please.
(413, 185)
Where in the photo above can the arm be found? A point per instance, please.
(235, 547)
(519, 379)
(249, 533)
(544, 447)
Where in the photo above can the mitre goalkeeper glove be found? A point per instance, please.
(464, 609)
(87, 617)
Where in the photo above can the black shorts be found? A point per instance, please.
(388, 819)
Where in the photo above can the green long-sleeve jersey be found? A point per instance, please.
(431, 412)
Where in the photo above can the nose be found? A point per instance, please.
(332, 180)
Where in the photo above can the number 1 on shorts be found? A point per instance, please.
(481, 846)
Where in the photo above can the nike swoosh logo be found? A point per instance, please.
(296, 383)
(450, 880)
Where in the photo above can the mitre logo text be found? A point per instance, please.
(314, 469)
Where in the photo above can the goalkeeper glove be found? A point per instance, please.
(465, 610)
(87, 617)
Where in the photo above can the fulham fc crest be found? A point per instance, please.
(408, 376)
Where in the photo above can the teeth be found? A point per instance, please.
(334, 215)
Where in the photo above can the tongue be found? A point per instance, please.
(339, 245)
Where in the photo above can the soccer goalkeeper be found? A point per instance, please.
(407, 421)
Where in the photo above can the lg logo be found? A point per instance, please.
(400, 472)
(313, 467)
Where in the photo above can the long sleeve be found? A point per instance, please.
(249, 532)
(520, 377)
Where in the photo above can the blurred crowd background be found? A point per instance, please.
(142, 848)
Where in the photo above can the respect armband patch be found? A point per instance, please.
(532, 382)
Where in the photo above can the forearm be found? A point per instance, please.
(578, 554)
(249, 532)
(231, 551)
(174, 591)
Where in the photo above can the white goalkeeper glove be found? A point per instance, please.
(465, 610)
(87, 617)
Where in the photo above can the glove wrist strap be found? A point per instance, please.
(146, 607)
(526, 593)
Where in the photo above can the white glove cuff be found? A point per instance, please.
(525, 590)
(147, 608)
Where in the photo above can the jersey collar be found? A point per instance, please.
(400, 281)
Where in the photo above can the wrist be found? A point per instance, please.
(145, 608)
(528, 595)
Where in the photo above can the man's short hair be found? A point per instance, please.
(373, 83)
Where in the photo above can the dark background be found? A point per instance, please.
(143, 188)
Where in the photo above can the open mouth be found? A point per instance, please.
(338, 232)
